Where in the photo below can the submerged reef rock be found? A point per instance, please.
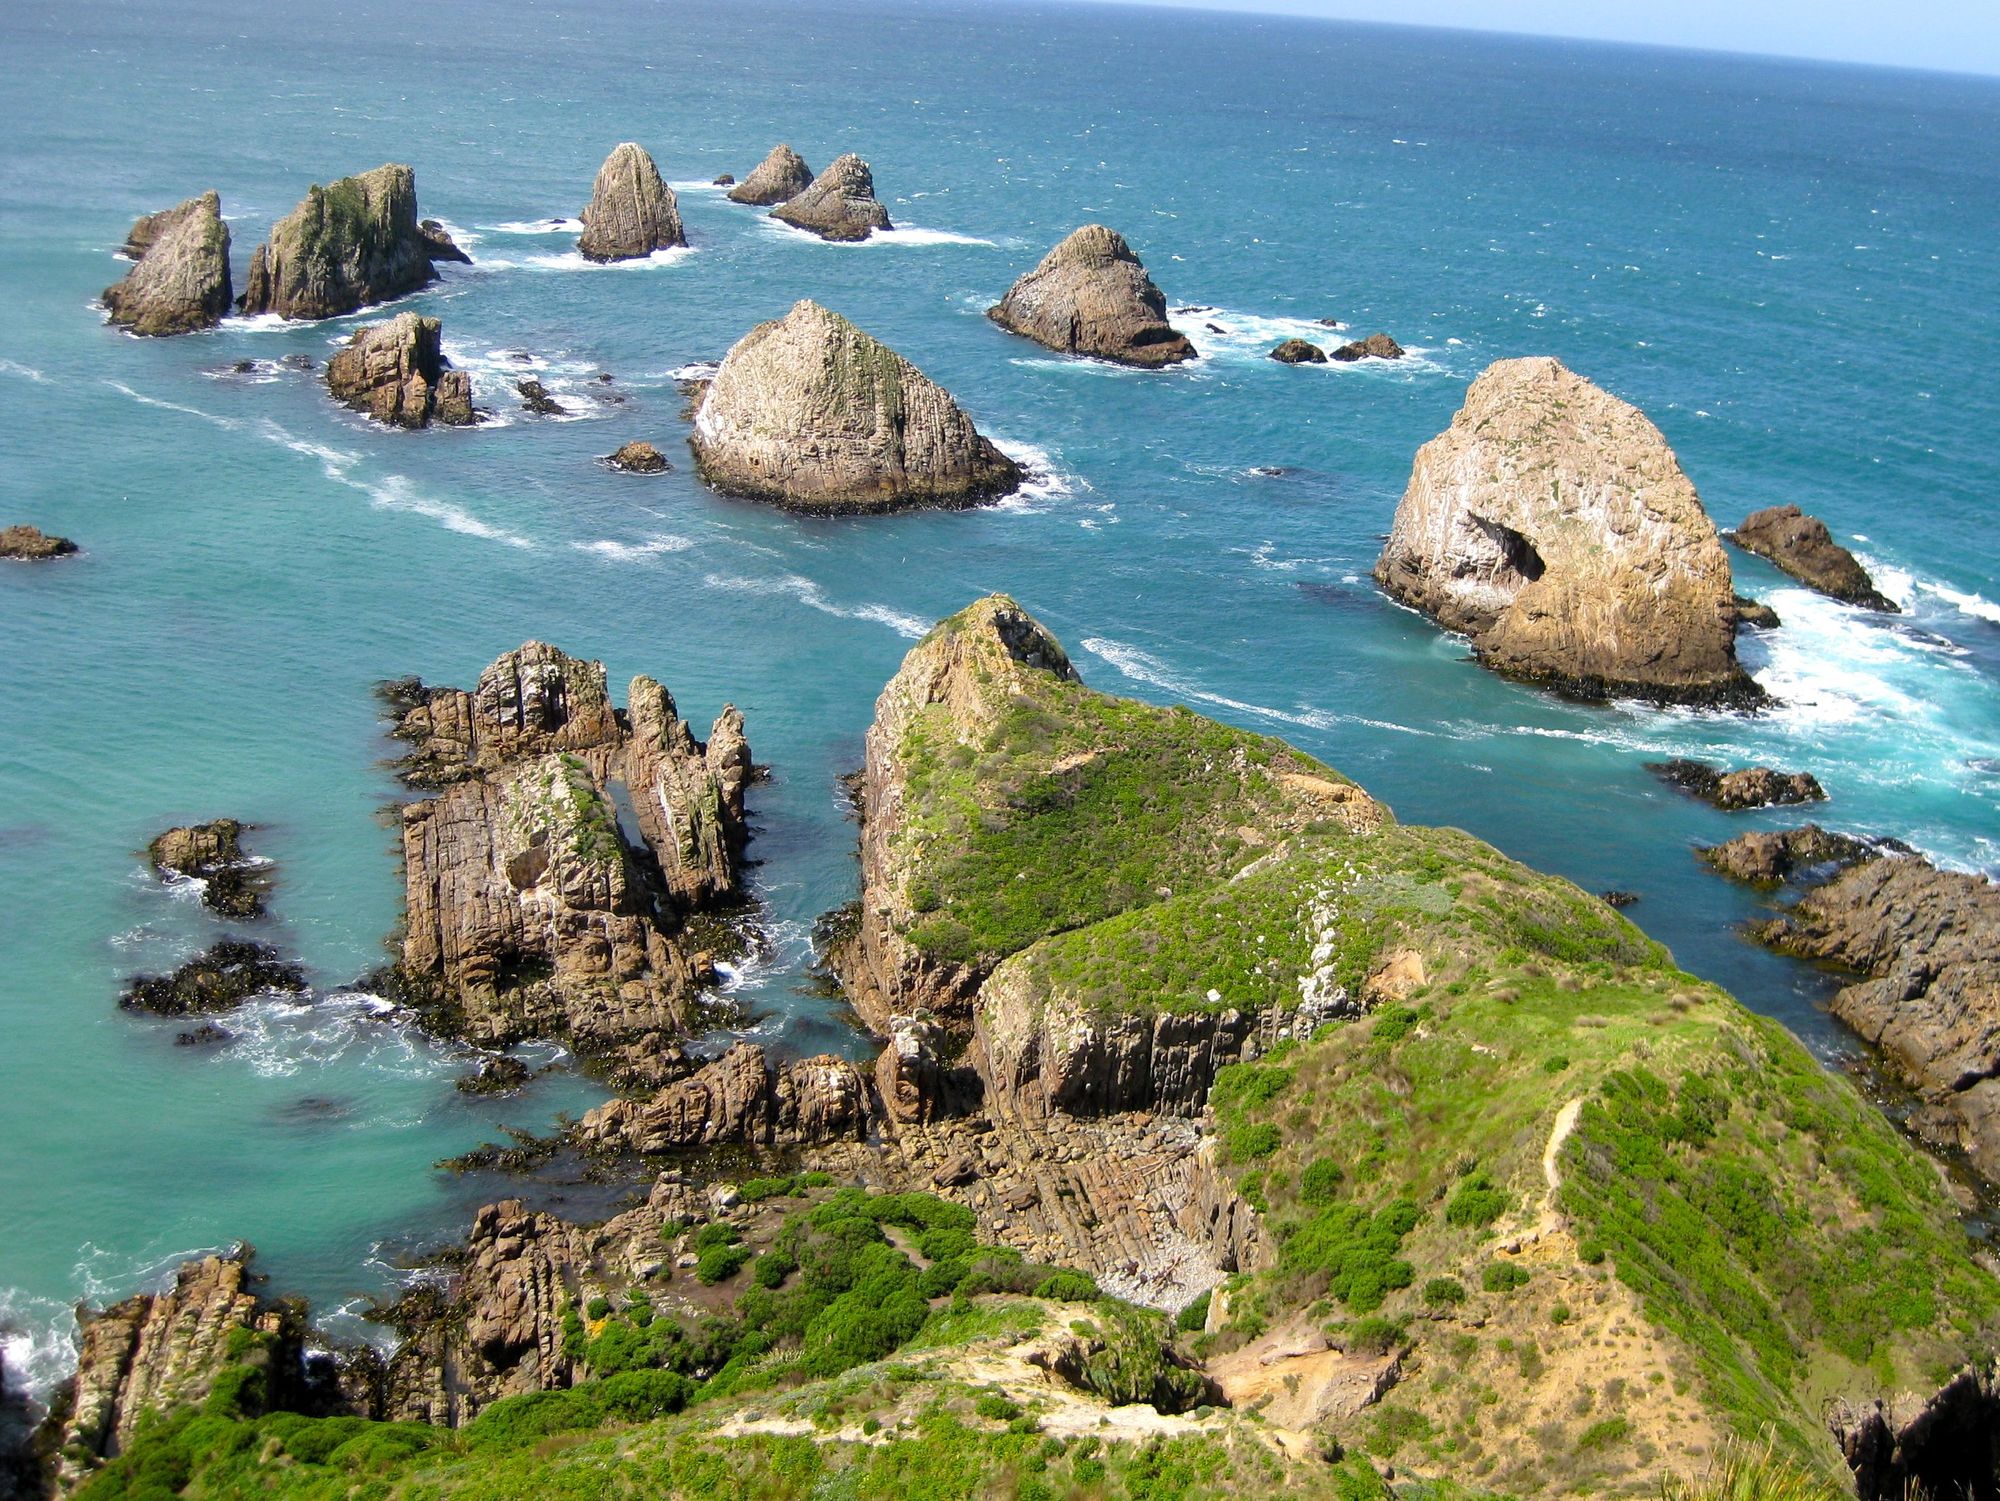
(779, 178)
(442, 246)
(182, 280)
(811, 413)
(396, 372)
(1091, 296)
(1552, 525)
(631, 212)
(1928, 943)
(212, 853)
(638, 457)
(1374, 347)
(348, 245)
(1299, 352)
(530, 911)
(1803, 547)
(839, 204)
(27, 544)
(1749, 787)
(221, 979)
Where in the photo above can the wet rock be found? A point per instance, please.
(1771, 857)
(632, 212)
(208, 1034)
(1091, 296)
(779, 178)
(1374, 347)
(496, 1076)
(535, 398)
(228, 974)
(638, 457)
(181, 282)
(813, 414)
(724, 180)
(839, 205)
(1803, 547)
(438, 241)
(1552, 524)
(1759, 617)
(212, 853)
(1749, 787)
(348, 245)
(396, 372)
(1619, 899)
(25, 544)
(1298, 352)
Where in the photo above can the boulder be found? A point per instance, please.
(1299, 352)
(839, 204)
(396, 372)
(348, 245)
(1374, 347)
(723, 180)
(535, 398)
(1803, 547)
(638, 457)
(442, 246)
(27, 544)
(1552, 525)
(212, 853)
(632, 212)
(221, 979)
(181, 282)
(779, 178)
(1091, 296)
(1749, 787)
(813, 414)
(1759, 617)
(1770, 857)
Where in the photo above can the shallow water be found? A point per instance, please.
(1791, 268)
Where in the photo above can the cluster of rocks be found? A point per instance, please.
(638, 457)
(1091, 296)
(397, 373)
(27, 544)
(220, 979)
(1305, 352)
(232, 883)
(1747, 787)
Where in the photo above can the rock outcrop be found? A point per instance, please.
(839, 204)
(741, 1099)
(1928, 943)
(1299, 352)
(1091, 296)
(27, 544)
(182, 280)
(1770, 857)
(348, 245)
(530, 911)
(1757, 616)
(1946, 1444)
(632, 212)
(779, 178)
(442, 246)
(396, 372)
(1552, 525)
(222, 978)
(1374, 347)
(1803, 547)
(1746, 787)
(212, 853)
(638, 457)
(535, 398)
(811, 413)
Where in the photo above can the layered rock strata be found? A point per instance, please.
(1803, 547)
(813, 414)
(181, 281)
(837, 205)
(632, 212)
(778, 178)
(27, 544)
(232, 883)
(1091, 296)
(1553, 526)
(740, 1099)
(1746, 787)
(348, 245)
(396, 372)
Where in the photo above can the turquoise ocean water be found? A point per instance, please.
(1792, 268)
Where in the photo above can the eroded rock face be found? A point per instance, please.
(1746, 787)
(813, 414)
(1091, 296)
(1928, 941)
(779, 178)
(1552, 525)
(839, 204)
(27, 544)
(396, 372)
(530, 910)
(740, 1099)
(182, 280)
(347, 245)
(1803, 547)
(1947, 1444)
(212, 853)
(632, 212)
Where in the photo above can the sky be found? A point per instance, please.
(1961, 36)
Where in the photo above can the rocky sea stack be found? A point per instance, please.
(839, 204)
(1552, 524)
(1374, 347)
(1091, 296)
(638, 457)
(182, 280)
(348, 245)
(811, 413)
(232, 883)
(27, 544)
(1803, 547)
(779, 178)
(1299, 352)
(632, 212)
(396, 372)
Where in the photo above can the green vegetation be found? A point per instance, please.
(1745, 1472)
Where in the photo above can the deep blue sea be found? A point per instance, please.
(1794, 269)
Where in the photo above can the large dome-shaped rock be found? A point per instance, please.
(396, 372)
(1552, 524)
(1804, 548)
(840, 203)
(1090, 295)
(632, 212)
(779, 178)
(347, 245)
(812, 413)
(182, 280)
